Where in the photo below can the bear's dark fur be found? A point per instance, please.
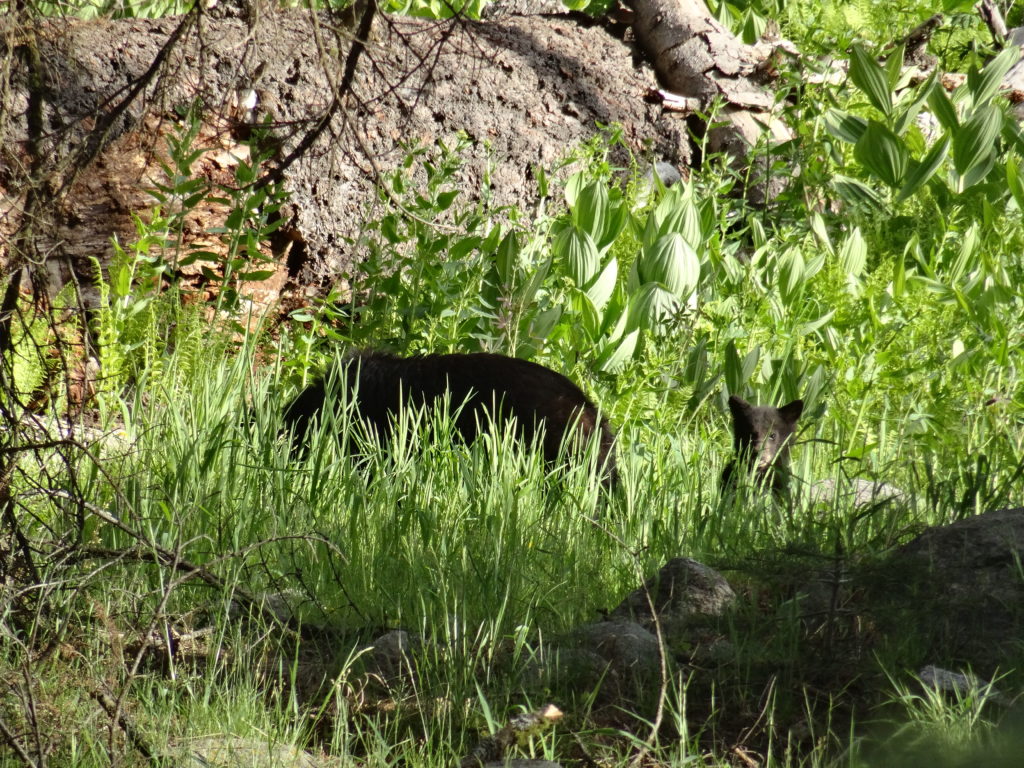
(761, 438)
(485, 383)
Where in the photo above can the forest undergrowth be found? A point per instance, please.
(174, 570)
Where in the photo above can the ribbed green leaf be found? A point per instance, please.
(986, 83)
(975, 142)
(651, 307)
(894, 67)
(749, 364)
(867, 75)
(736, 370)
(753, 27)
(684, 218)
(602, 286)
(506, 257)
(573, 187)
(810, 327)
(925, 169)
(586, 314)
(591, 210)
(821, 232)
(845, 126)
(857, 192)
(669, 203)
(614, 223)
(544, 321)
(617, 353)
(908, 114)
(791, 275)
(883, 153)
(1015, 181)
(853, 255)
(578, 254)
(943, 109)
(672, 262)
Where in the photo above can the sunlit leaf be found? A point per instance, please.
(668, 204)
(619, 352)
(894, 66)
(753, 27)
(986, 83)
(578, 253)
(672, 262)
(573, 187)
(974, 143)
(805, 329)
(1015, 180)
(586, 314)
(853, 255)
(870, 78)
(684, 218)
(966, 254)
(845, 126)
(925, 169)
(591, 209)
(821, 232)
(883, 153)
(651, 307)
(791, 275)
(602, 286)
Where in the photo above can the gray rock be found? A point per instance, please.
(502, 8)
(857, 493)
(620, 658)
(961, 586)
(389, 657)
(683, 592)
(236, 752)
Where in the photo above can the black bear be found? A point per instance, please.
(479, 384)
(761, 437)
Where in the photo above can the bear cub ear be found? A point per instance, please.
(790, 412)
(739, 408)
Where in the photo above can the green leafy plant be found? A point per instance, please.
(971, 124)
(143, 313)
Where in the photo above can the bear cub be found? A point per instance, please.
(482, 385)
(761, 438)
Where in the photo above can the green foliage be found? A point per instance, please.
(146, 313)
(882, 287)
(747, 19)
(972, 124)
(37, 369)
(436, 9)
(124, 9)
(421, 283)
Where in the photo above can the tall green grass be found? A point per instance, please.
(898, 321)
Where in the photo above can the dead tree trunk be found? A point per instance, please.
(697, 58)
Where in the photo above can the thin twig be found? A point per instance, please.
(130, 732)
(358, 46)
(12, 740)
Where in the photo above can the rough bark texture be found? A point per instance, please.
(697, 58)
(524, 88)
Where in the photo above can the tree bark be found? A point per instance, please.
(696, 57)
